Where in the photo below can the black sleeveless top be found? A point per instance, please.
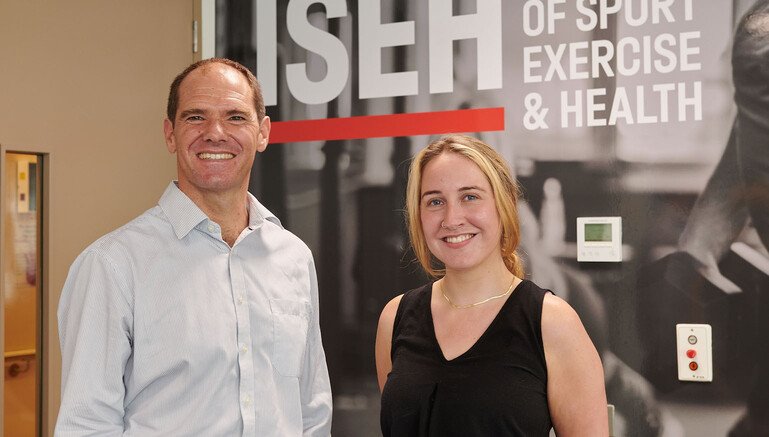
(497, 388)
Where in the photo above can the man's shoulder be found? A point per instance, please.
(271, 226)
(283, 238)
(140, 232)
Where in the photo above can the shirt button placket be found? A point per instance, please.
(245, 359)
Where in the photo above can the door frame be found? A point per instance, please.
(46, 310)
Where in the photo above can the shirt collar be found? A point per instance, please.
(258, 213)
(184, 215)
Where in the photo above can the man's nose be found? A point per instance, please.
(214, 131)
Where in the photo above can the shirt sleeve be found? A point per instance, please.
(314, 382)
(95, 324)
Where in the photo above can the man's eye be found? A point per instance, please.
(194, 118)
(238, 118)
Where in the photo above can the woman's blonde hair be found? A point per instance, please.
(505, 187)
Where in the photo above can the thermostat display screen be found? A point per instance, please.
(598, 232)
(599, 239)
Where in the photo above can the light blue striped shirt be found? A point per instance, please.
(167, 331)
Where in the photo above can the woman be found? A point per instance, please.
(480, 351)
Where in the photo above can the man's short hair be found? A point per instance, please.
(173, 94)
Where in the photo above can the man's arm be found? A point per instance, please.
(314, 383)
(720, 212)
(718, 216)
(94, 330)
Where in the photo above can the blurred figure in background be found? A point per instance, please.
(737, 194)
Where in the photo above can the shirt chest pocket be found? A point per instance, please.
(290, 322)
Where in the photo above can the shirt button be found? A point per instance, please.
(247, 401)
(243, 348)
(211, 228)
(240, 300)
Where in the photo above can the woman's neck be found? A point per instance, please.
(468, 286)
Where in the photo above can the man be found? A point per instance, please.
(199, 317)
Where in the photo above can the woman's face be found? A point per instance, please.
(458, 213)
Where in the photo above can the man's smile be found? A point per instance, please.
(205, 155)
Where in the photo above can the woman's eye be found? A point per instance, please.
(434, 202)
(471, 197)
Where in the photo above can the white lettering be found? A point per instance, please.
(620, 107)
(373, 36)
(593, 107)
(555, 62)
(444, 28)
(601, 61)
(686, 51)
(635, 48)
(694, 101)
(641, 117)
(577, 60)
(537, 8)
(664, 90)
(587, 12)
(530, 64)
(553, 14)
(629, 105)
(662, 6)
(591, 59)
(322, 43)
(605, 10)
(267, 50)
(642, 16)
(574, 109)
(659, 46)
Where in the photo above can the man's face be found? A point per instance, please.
(216, 134)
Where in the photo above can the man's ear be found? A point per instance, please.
(168, 132)
(264, 135)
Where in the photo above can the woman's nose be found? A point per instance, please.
(453, 218)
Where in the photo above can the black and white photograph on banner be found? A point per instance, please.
(655, 112)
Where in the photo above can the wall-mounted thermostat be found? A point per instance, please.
(599, 239)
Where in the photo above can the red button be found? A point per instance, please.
(693, 366)
(691, 353)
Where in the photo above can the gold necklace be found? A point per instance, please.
(488, 299)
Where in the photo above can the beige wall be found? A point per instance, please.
(85, 81)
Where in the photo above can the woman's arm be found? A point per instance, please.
(575, 382)
(384, 336)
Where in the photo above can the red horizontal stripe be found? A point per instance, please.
(392, 125)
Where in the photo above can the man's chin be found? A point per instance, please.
(211, 186)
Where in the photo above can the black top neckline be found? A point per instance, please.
(494, 321)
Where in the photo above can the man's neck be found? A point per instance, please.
(229, 210)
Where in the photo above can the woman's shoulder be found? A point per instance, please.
(421, 292)
(559, 320)
(530, 287)
(390, 310)
(530, 295)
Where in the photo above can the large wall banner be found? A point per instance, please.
(655, 111)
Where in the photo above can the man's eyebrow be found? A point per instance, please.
(236, 112)
(188, 112)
